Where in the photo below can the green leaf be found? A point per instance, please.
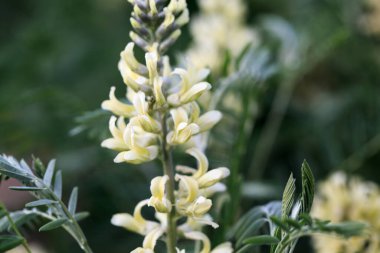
(25, 167)
(280, 223)
(81, 216)
(26, 188)
(308, 188)
(288, 196)
(253, 221)
(244, 249)
(306, 219)
(253, 228)
(261, 240)
(346, 229)
(73, 200)
(8, 242)
(18, 217)
(10, 168)
(41, 202)
(53, 224)
(58, 184)
(277, 233)
(292, 223)
(49, 173)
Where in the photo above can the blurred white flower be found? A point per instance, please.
(341, 198)
(371, 20)
(219, 30)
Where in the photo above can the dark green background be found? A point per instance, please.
(59, 58)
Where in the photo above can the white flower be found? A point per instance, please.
(198, 236)
(150, 241)
(204, 177)
(184, 129)
(190, 89)
(218, 30)
(199, 207)
(342, 198)
(213, 176)
(158, 199)
(136, 145)
(188, 123)
(117, 128)
(135, 223)
(117, 107)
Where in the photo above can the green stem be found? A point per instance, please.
(272, 126)
(15, 229)
(167, 162)
(238, 153)
(81, 238)
(357, 159)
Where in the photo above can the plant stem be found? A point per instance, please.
(167, 162)
(15, 229)
(80, 237)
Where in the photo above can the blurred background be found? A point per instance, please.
(313, 87)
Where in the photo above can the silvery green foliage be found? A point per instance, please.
(12, 236)
(287, 221)
(45, 184)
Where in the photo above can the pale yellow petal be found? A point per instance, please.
(201, 159)
(151, 238)
(117, 107)
(194, 92)
(213, 176)
(209, 120)
(199, 236)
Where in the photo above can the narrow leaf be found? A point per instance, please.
(308, 188)
(252, 229)
(293, 223)
(261, 240)
(10, 168)
(41, 202)
(306, 219)
(288, 196)
(73, 201)
(25, 167)
(18, 217)
(58, 184)
(245, 249)
(49, 173)
(80, 216)
(26, 188)
(53, 224)
(8, 242)
(346, 229)
(279, 223)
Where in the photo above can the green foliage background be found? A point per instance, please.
(59, 58)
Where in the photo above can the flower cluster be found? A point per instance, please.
(159, 112)
(192, 201)
(341, 198)
(217, 31)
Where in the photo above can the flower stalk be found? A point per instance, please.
(167, 163)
